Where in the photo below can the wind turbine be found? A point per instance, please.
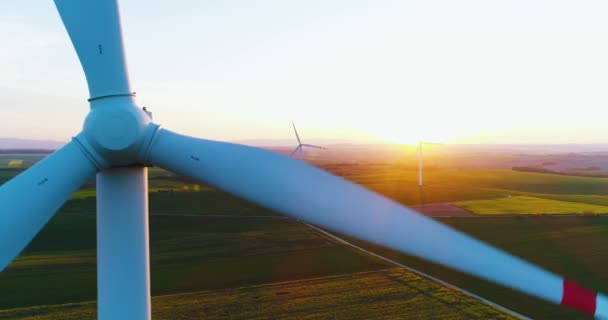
(119, 140)
(421, 158)
(301, 145)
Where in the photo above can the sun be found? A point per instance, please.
(394, 136)
(408, 135)
(400, 129)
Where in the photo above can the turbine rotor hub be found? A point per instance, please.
(116, 132)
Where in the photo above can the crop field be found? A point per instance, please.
(400, 184)
(383, 294)
(409, 193)
(220, 248)
(188, 253)
(482, 180)
(202, 202)
(568, 245)
(25, 160)
(231, 260)
(521, 181)
(7, 173)
(529, 205)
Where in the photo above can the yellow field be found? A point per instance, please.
(529, 205)
(386, 294)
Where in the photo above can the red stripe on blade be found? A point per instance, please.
(578, 297)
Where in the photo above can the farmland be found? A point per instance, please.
(210, 248)
(530, 205)
(482, 180)
(24, 159)
(383, 294)
(569, 245)
(187, 254)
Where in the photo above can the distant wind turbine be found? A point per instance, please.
(300, 144)
(421, 158)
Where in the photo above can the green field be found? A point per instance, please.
(451, 185)
(384, 294)
(187, 254)
(27, 159)
(409, 193)
(481, 180)
(521, 181)
(233, 258)
(204, 202)
(208, 252)
(573, 246)
(529, 205)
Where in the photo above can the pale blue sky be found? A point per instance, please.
(455, 71)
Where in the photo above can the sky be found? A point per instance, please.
(344, 70)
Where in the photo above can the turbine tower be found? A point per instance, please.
(421, 158)
(301, 145)
(119, 140)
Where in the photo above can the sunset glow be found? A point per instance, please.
(476, 72)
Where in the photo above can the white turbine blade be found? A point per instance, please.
(313, 146)
(94, 27)
(296, 131)
(29, 200)
(315, 196)
(295, 150)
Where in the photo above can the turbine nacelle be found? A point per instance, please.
(116, 132)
